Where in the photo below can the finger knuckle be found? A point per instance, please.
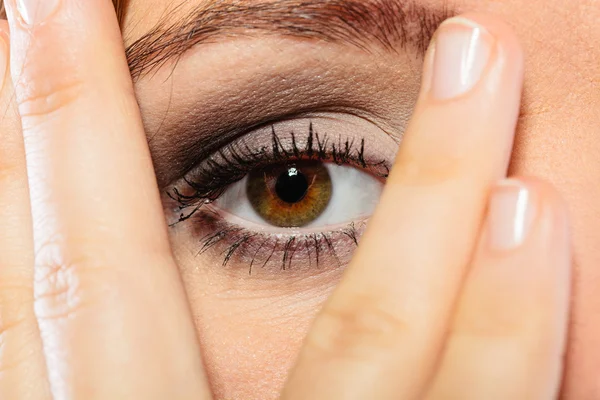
(47, 97)
(66, 284)
(358, 327)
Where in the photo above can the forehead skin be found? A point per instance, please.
(558, 139)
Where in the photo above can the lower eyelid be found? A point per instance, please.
(244, 249)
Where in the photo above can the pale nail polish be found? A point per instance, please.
(462, 52)
(511, 214)
(36, 11)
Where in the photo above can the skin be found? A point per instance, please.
(96, 309)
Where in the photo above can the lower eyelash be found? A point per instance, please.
(281, 251)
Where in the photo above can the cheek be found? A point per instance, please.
(559, 139)
(250, 345)
(251, 327)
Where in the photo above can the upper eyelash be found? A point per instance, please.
(237, 160)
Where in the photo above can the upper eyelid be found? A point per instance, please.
(184, 115)
(344, 147)
(202, 146)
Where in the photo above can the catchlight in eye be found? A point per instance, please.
(291, 195)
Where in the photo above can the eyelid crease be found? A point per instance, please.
(184, 143)
(365, 24)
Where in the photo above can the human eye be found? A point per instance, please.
(290, 194)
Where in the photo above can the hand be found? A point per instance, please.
(442, 299)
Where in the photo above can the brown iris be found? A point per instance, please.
(290, 195)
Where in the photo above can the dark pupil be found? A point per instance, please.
(291, 186)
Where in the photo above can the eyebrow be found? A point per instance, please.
(391, 25)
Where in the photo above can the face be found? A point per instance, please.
(272, 135)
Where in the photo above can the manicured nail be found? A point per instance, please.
(511, 215)
(34, 12)
(462, 51)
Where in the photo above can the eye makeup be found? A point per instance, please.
(341, 140)
(222, 92)
(236, 108)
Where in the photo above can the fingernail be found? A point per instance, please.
(34, 12)
(511, 214)
(462, 51)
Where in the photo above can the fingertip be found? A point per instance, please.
(525, 248)
(512, 316)
(493, 50)
(520, 272)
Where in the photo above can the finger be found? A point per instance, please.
(380, 334)
(22, 366)
(508, 335)
(111, 308)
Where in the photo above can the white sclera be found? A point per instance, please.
(355, 194)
